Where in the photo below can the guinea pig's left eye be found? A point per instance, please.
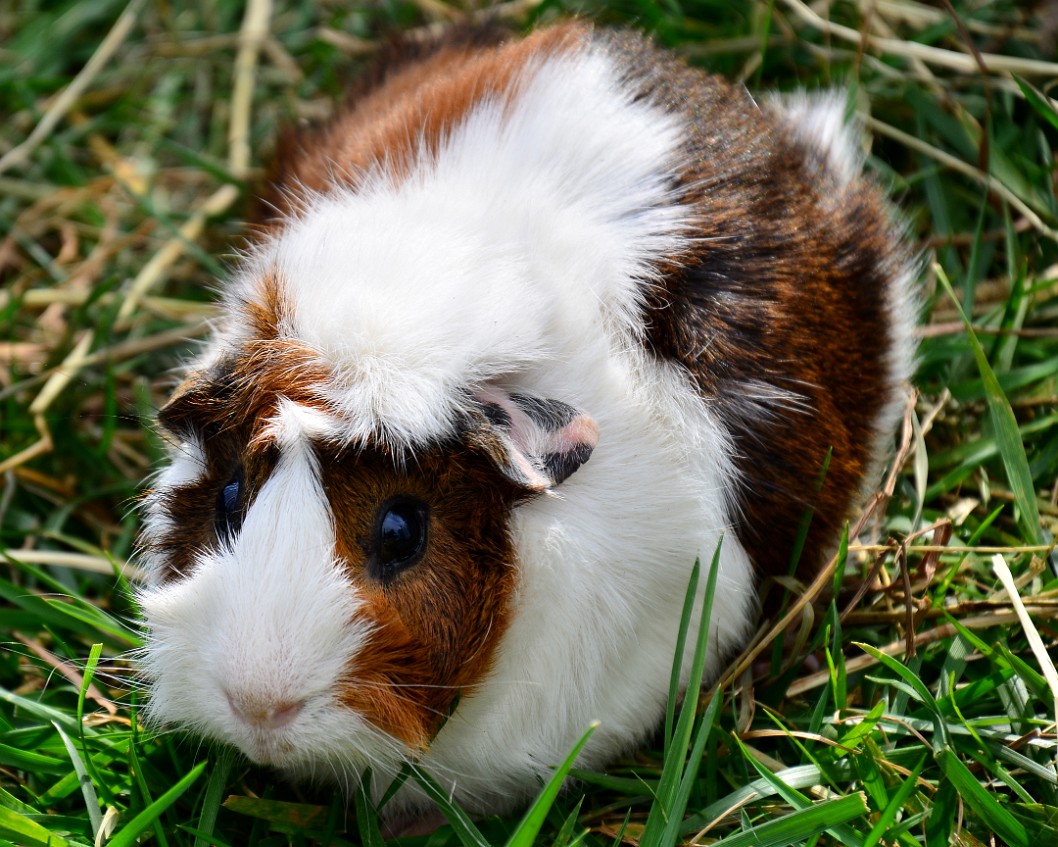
(229, 509)
(400, 536)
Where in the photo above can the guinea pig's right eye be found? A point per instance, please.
(228, 518)
(400, 536)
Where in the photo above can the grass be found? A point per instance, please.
(903, 701)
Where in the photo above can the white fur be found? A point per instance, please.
(527, 227)
(599, 599)
(294, 427)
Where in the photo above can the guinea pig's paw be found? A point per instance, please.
(537, 443)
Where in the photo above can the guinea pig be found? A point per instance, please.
(532, 323)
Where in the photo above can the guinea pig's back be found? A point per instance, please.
(792, 308)
(787, 298)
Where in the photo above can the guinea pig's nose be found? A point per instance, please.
(263, 712)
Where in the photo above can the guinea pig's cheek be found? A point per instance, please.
(431, 643)
(381, 684)
(173, 661)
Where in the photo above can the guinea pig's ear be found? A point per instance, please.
(186, 404)
(536, 443)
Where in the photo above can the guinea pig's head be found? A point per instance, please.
(318, 602)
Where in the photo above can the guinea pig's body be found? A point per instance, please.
(534, 323)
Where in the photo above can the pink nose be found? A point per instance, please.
(263, 712)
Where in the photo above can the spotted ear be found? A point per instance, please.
(536, 443)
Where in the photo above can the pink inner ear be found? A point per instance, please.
(546, 440)
(579, 433)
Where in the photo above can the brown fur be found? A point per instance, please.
(227, 409)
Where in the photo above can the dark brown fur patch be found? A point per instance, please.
(786, 289)
(192, 508)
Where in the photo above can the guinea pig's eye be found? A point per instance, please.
(400, 536)
(228, 518)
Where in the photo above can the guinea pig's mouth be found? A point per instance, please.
(291, 746)
(299, 755)
(272, 751)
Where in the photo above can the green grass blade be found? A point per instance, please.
(281, 815)
(845, 834)
(1038, 101)
(466, 831)
(529, 828)
(619, 838)
(88, 790)
(982, 801)
(23, 831)
(211, 801)
(565, 838)
(9, 801)
(798, 826)
(895, 805)
(1008, 439)
(666, 801)
(129, 834)
(136, 766)
(913, 685)
(941, 820)
(681, 645)
(366, 818)
(92, 776)
(673, 827)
